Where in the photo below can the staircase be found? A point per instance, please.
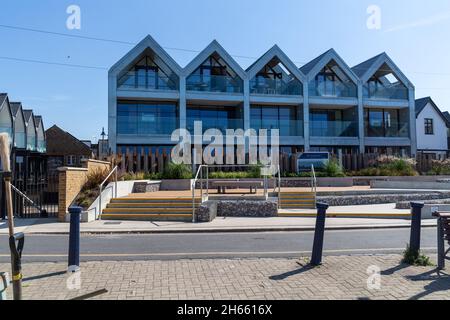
(297, 200)
(150, 209)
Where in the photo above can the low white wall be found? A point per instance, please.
(124, 188)
(377, 184)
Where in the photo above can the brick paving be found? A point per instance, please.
(340, 277)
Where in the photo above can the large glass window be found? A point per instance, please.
(275, 79)
(149, 72)
(333, 123)
(386, 123)
(283, 118)
(384, 84)
(214, 75)
(332, 81)
(146, 118)
(215, 117)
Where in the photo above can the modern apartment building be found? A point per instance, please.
(324, 105)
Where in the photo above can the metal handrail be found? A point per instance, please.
(279, 187)
(115, 170)
(313, 180)
(25, 197)
(196, 178)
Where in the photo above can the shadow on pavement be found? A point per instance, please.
(395, 269)
(441, 282)
(43, 276)
(285, 275)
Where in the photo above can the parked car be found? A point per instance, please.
(317, 159)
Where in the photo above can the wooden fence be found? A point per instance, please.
(142, 160)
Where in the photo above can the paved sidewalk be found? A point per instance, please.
(343, 277)
(220, 224)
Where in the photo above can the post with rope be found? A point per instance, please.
(16, 241)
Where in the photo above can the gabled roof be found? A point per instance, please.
(60, 143)
(16, 107)
(39, 122)
(147, 43)
(273, 52)
(3, 97)
(213, 47)
(367, 69)
(361, 68)
(423, 102)
(28, 115)
(447, 116)
(312, 68)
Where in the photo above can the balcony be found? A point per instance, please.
(220, 124)
(19, 140)
(214, 83)
(397, 93)
(333, 128)
(41, 146)
(276, 87)
(146, 125)
(333, 89)
(395, 130)
(287, 128)
(135, 80)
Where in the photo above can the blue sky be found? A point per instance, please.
(413, 32)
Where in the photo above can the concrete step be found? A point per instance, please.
(148, 210)
(184, 217)
(151, 205)
(154, 200)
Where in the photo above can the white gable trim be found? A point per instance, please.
(275, 51)
(147, 43)
(209, 50)
(332, 55)
(384, 58)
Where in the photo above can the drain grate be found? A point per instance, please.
(112, 222)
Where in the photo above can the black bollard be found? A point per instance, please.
(316, 258)
(416, 225)
(74, 239)
(16, 244)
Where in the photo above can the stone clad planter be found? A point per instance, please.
(176, 185)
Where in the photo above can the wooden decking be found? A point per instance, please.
(238, 192)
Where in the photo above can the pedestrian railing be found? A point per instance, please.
(100, 187)
(26, 199)
(443, 235)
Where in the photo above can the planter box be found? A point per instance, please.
(335, 182)
(176, 185)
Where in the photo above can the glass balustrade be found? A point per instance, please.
(136, 80)
(275, 87)
(214, 83)
(287, 128)
(333, 128)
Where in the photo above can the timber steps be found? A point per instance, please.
(150, 209)
(297, 200)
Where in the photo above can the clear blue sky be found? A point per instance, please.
(414, 33)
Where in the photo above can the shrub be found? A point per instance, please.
(389, 166)
(440, 167)
(94, 178)
(333, 169)
(177, 171)
(140, 176)
(415, 258)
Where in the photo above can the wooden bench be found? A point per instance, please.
(223, 185)
(443, 235)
